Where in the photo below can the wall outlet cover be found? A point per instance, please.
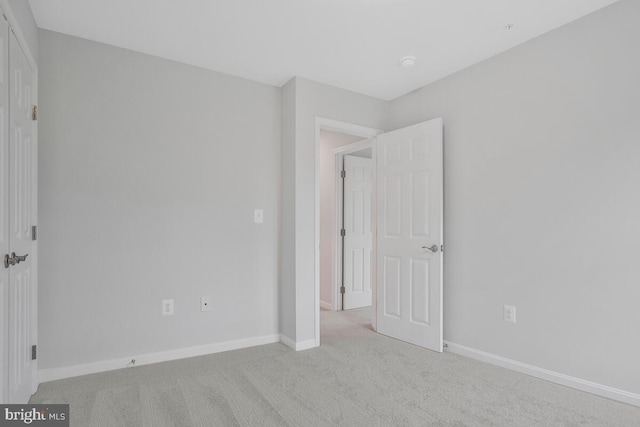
(205, 303)
(509, 314)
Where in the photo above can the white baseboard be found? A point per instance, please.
(297, 346)
(555, 377)
(326, 305)
(287, 341)
(52, 374)
(305, 345)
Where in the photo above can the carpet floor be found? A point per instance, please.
(356, 378)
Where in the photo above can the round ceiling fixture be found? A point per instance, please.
(408, 61)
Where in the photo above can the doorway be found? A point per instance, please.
(331, 143)
(346, 182)
(407, 231)
(334, 141)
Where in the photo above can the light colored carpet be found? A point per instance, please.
(356, 378)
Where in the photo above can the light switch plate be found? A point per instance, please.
(167, 307)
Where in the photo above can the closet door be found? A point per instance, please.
(22, 173)
(4, 210)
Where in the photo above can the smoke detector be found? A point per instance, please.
(408, 61)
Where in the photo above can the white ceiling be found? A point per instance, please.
(352, 44)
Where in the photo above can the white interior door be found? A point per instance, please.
(410, 234)
(358, 232)
(4, 211)
(22, 214)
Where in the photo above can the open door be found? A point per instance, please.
(4, 214)
(410, 234)
(18, 195)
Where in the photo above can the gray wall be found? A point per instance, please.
(542, 158)
(313, 100)
(27, 23)
(149, 174)
(287, 221)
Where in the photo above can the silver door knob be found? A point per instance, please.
(17, 259)
(8, 261)
(432, 248)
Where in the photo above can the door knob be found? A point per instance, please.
(17, 259)
(8, 261)
(432, 248)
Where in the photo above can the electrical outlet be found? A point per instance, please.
(205, 303)
(167, 307)
(258, 216)
(509, 314)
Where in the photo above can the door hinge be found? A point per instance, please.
(441, 248)
(343, 174)
(34, 232)
(34, 112)
(342, 289)
(34, 352)
(343, 232)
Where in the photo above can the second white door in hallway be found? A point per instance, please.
(358, 235)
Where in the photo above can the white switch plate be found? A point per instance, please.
(167, 307)
(509, 314)
(258, 216)
(205, 303)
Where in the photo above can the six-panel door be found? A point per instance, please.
(358, 232)
(409, 234)
(17, 215)
(4, 211)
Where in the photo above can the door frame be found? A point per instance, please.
(14, 25)
(335, 126)
(5, 7)
(339, 154)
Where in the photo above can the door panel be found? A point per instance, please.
(22, 161)
(420, 205)
(392, 293)
(392, 205)
(4, 211)
(358, 238)
(410, 204)
(419, 291)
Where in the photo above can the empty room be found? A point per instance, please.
(319, 212)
